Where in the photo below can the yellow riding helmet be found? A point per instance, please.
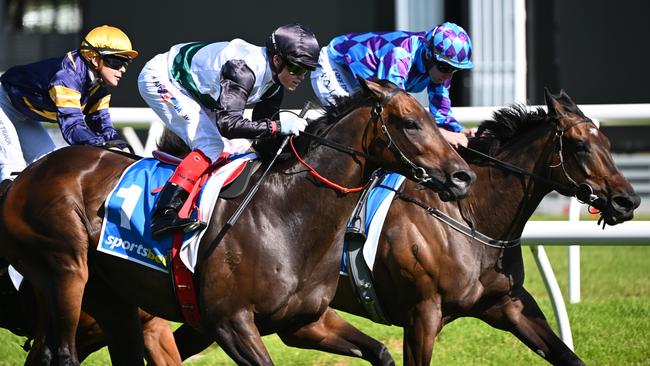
(107, 40)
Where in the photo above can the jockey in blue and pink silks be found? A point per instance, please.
(412, 60)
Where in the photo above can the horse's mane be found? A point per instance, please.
(506, 125)
(267, 148)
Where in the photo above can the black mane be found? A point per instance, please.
(507, 124)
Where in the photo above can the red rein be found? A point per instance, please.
(320, 177)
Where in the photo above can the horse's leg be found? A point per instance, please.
(159, 342)
(60, 294)
(240, 339)
(118, 320)
(190, 341)
(333, 334)
(519, 314)
(425, 323)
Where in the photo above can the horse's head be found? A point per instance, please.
(408, 141)
(584, 162)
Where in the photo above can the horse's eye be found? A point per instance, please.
(581, 146)
(410, 124)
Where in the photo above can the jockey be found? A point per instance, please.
(411, 60)
(200, 91)
(70, 91)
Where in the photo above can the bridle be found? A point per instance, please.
(582, 191)
(418, 173)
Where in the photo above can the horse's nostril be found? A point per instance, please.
(626, 202)
(463, 177)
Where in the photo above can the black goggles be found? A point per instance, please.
(296, 70)
(116, 62)
(446, 68)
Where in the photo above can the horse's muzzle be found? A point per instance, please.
(457, 185)
(621, 208)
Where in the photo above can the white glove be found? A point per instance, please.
(291, 124)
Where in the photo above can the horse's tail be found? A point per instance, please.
(170, 143)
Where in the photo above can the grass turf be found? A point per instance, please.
(611, 324)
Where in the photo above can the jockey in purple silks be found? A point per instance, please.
(70, 91)
(412, 60)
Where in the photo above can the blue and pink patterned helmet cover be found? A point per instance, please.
(451, 44)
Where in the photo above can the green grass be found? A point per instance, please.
(611, 325)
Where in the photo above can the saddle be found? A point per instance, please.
(233, 188)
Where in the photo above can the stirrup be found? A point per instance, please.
(169, 223)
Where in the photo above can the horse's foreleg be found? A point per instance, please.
(240, 339)
(333, 334)
(425, 321)
(519, 314)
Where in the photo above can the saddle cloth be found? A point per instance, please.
(126, 229)
(377, 205)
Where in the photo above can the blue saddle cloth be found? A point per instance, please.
(384, 190)
(126, 229)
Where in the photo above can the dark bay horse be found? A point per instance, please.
(275, 271)
(427, 273)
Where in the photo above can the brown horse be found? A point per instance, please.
(275, 271)
(17, 315)
(427, 273)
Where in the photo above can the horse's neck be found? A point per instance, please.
(501, 202)
(340, 168)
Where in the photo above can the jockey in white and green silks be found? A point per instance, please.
(200, 91)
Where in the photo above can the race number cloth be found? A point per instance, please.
(126, 229)
(377, 205)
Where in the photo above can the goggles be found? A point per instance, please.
(446, 68)
(296, 70)
(113, 61)
(116, 62)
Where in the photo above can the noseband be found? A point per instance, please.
(419, 173)
(583, 192)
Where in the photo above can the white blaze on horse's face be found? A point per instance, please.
(593, 131)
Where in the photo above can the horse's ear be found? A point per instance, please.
(551, 103)
(371, 88)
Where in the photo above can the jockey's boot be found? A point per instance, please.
(165, 217)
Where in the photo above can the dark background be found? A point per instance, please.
(597, 50)
(154, 26)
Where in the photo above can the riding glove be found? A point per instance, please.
(291, 124)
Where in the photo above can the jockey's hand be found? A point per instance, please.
(455, 139)
(469, 132)
(290, 124)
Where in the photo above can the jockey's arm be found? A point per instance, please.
(237, 81)
(440, 108)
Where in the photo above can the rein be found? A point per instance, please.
(460, 227)
(583, 192)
